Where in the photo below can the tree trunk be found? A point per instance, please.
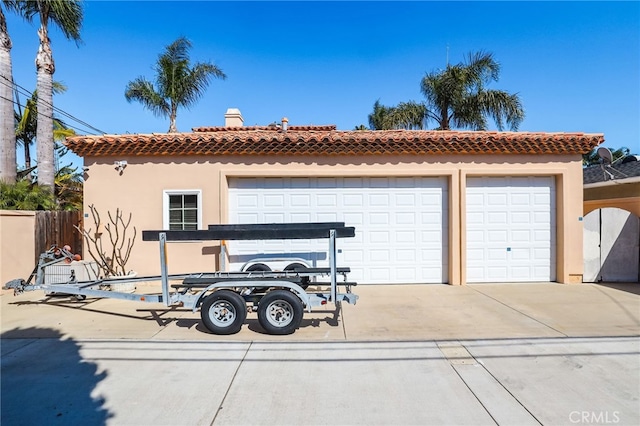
(27, 155)
(44, 134)
(8, 166)
(172, 118)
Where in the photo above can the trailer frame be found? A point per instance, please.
(198, 289)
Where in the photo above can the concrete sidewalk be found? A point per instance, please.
(426, 355)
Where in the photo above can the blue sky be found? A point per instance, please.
(575, 65)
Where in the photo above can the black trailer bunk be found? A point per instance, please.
(225, 297)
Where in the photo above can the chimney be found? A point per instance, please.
(233, 118)
(285, 122)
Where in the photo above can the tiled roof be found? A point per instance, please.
(327, 141)
(621, 170)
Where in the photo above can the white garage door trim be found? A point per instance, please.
(401, 223)
(511, 229)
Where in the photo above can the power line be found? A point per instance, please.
(66, 114)
(51, 117)
(27, 93)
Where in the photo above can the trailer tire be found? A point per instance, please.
(304, 281)
(280, 312)
(258, 267)
(223, 312)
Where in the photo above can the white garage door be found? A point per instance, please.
(511, 227)
(401, 227)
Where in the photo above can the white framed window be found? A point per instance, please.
(182, 209)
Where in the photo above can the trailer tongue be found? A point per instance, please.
(279, 297)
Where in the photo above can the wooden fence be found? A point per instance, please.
(54, 227)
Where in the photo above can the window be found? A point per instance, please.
(182, 210)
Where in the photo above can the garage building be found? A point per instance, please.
(428, 206)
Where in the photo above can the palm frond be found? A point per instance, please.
(143, 91)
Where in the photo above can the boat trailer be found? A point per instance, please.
(223, 297)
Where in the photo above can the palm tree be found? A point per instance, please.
(408, 115)
(27, 123)
(379, 118)
(67, 15)
(177, 83)
(68, 190)
(7, 139)
(457, 96)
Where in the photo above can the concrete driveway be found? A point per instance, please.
(432, 354)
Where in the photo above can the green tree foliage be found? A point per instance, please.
(68, 192)
(177, 83)
(379, 118)
(25, 195)
(28, 195)
(456, 97)
(27, 122)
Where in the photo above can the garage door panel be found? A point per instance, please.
(405, 237)
(494, 236)
(352, 200)
(326, 217)
(273, 183)
(379, 255)
(274, 217)
(405, 274)
(298, 217)
(325, 182)
(300, 200)
(521, 236)
(405, 219)
(379, 200)
(405, 200)
(354, 256)
(353, 182)
(248, 218)
(250, 201)
(377, 237)
(380, 219)
(274, 201)
(498, 274)
(302, 182)
(520, 199)
(512, 222)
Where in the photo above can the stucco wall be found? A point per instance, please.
(17, 245)
(139, 188)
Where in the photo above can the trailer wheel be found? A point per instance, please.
(258, 267)
(304, 281)
(223, 312)
(280, 312)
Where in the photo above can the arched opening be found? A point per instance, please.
(611, 246)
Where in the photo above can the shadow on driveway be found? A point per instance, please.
(45, 380)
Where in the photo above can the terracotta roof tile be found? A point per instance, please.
(327, 141)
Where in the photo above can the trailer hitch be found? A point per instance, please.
(17, 285)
